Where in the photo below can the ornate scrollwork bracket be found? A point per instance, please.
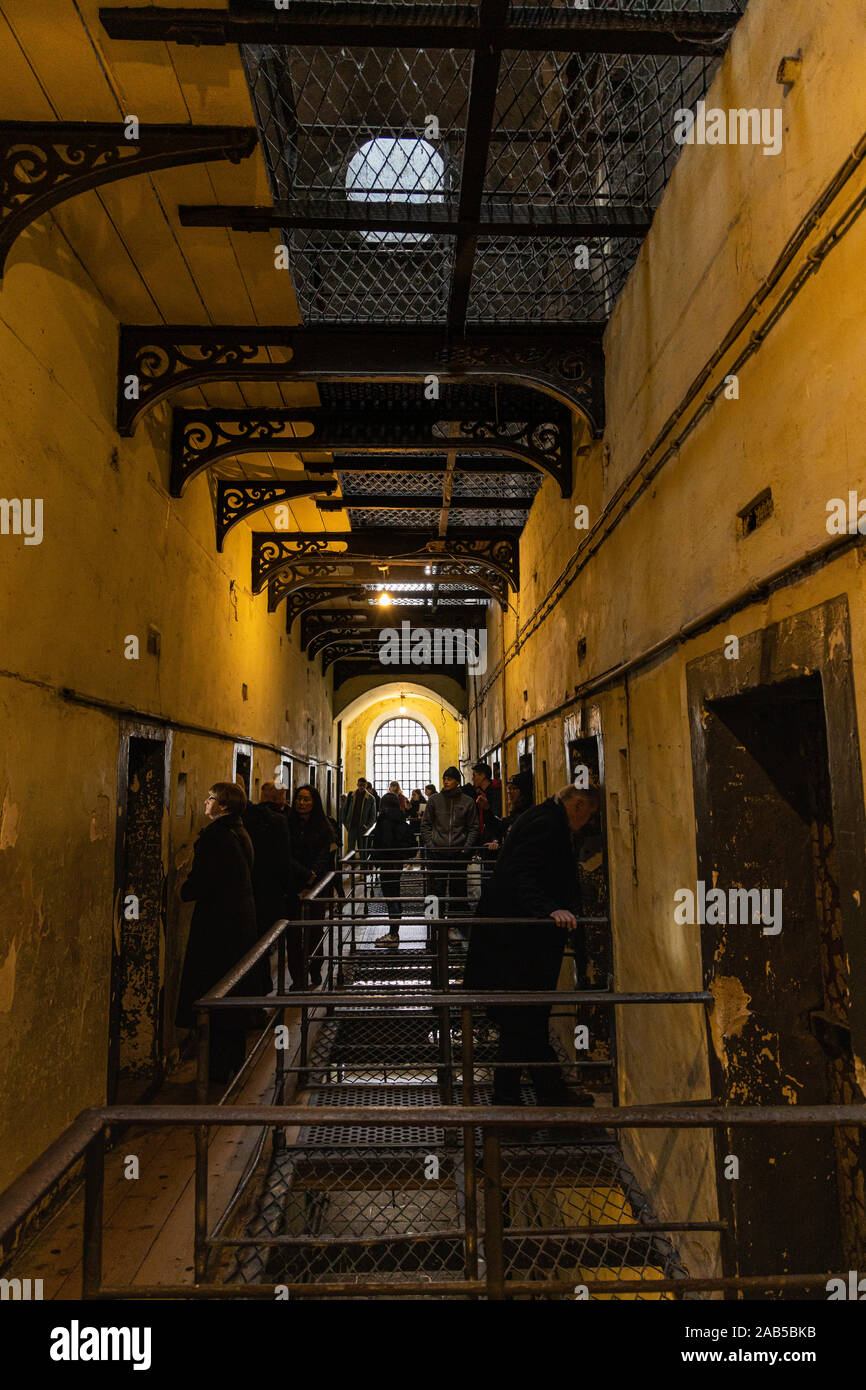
(42, 163)
(529, 427)
(497, 551)
(154, 362)
(316, 626)
(234, 500)
(303, 595)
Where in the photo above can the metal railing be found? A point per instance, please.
(86, 1138)
(483, 1233)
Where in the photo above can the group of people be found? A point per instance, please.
(533, 885)
(450, 825)
(252, 864)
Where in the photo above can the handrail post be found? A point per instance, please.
(201, 1147)
(445, 1054)
(340, 947)
(330, 974)
(94, 1192)
(470, 1177)
(305, 1013)
(493, 1237)
(279, 1139)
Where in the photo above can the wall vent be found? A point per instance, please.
(759, 510)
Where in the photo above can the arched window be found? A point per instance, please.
(391, 170)
(401, 753)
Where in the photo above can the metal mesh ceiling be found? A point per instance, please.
(382, 127)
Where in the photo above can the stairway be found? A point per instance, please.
(385, 1205)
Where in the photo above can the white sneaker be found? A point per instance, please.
(390, 939)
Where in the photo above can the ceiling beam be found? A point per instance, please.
(483, 88)
(348, 666)
(310, 596)
(383, 502)
(423, 26)
(288, 576)
(527, 425)
(562, 361)
(317, 623)
(469, 218)
(421, 463)
(389, 620)
(495, 549)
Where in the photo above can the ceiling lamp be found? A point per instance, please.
(384, 600)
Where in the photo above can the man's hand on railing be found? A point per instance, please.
(563, 917)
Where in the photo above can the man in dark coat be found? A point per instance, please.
(535, 882)
(223, 924)
(276, 873)
(278, 877)
(391, 844)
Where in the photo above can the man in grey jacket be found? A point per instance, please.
(449, 829)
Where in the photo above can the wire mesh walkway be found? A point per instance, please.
(369, 1203)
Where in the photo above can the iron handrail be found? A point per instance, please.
(32, 1185)
(85, 1137)
(457, 998)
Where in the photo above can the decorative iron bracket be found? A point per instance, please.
(323, 622)
(565, 363)
(42, 163)
(526, 426)
(331, 581)
(349, 666)
(494, 550)
(302, 597)
(235, 500)
(320, 628)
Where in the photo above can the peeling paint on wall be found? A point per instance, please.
(9, 814)
(100, 819)
(7, 980)
(730, 1012)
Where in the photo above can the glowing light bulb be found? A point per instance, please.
(384, 600)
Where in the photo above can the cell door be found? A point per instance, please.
(244, 768)
(135, 1029)
(782, 1028)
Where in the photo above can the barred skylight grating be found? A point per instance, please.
(545, 280)
(589, 128)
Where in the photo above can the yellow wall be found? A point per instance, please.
(117, 555)
(661, 555)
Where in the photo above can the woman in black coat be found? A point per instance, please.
(417, 802)
(223, 924)
(313, 845)
(391, 844)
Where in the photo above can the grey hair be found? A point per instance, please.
(570, 793)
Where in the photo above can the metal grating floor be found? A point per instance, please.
(387, 1202)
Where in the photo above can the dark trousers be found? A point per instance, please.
(390, 881)
(448, 883)
(311, 942)
(524, 1037)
